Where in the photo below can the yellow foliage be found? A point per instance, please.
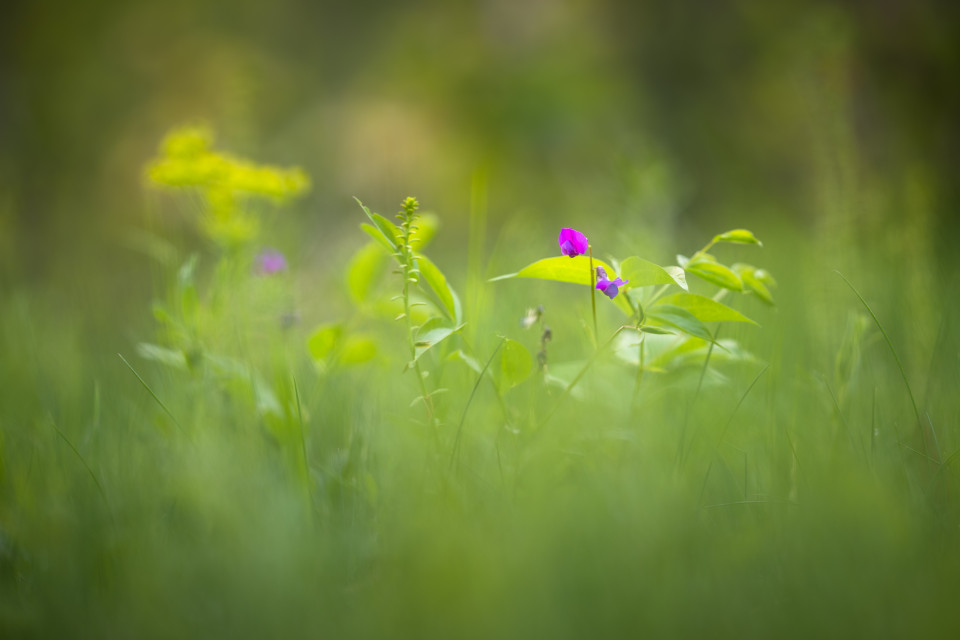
(225, 182)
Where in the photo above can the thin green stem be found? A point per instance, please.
(580, 374)
(593, 296)
(303, 447)
(150, 391)
(427, 401)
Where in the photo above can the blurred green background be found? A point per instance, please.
(835, 118)
(829, 129)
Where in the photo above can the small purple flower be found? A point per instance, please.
(269, 262)
(608, 287)
(572, 242)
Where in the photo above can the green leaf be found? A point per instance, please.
(706, 268)
(738, 236)
(438, 283)
(516, 364)
(174, 358)
(432, 333)
(363, 271)
(374, 233)
(704, 308)
(763, 276)
(753, 284)
(642, 273)
(389, 230)
(574, 270)
(681, 319)
(357, 349)
(186, 284)
(323, 340)
(460, 356)
(657, 331)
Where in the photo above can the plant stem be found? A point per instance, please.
(427, 402)
(593, 296)
(580, 374)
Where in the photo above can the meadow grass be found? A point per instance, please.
(806, 488)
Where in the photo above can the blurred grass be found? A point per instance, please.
(815, 512)
(808, 509)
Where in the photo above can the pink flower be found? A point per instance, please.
(572, 242)
(269, 262)
(609, 288)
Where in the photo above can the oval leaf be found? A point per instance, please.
(515, 364)
(363, 271)
(738, 236)
(704, 308)
(357, 349)
(642, 273)
(432, 333)
(323, 340)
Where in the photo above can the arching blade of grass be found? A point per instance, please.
(483, 372)
(150, 391)
(93, 476)
(678, 460)
(903, 374)
(307, 480)
(723, 433)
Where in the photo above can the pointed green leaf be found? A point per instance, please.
(561, 269)
(657, 331)
(706, 268)
(363, 271)
(574, 270)
(174, 358)
(752, 283)
(704, 308)
(432, 333)
(739, 236)
(515, 364)
(682, 319)
(438, 283)
(386, 228)
(763, 276)
(460, 356)
(641, 273)
(374, 233)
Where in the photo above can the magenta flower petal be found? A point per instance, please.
(572, 242)
(609, 288)
(269, 262)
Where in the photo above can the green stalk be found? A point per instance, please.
(593, 296)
